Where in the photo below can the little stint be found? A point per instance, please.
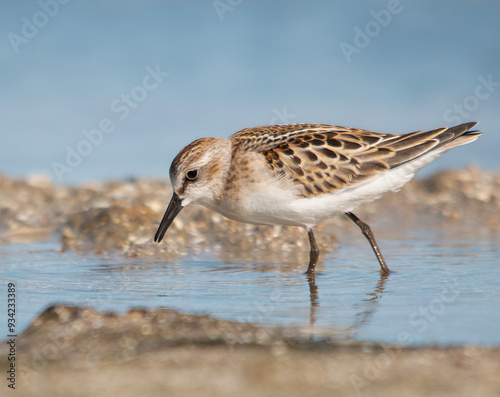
(302, 174)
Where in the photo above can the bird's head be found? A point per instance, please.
(197, 175)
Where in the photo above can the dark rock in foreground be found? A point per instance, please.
(79, 335)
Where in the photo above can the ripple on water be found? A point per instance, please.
(442, 290)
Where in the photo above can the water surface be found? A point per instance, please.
(443, 290)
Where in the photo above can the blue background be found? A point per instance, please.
(234, 64)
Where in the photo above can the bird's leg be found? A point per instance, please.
(365, 229)
(313, 254)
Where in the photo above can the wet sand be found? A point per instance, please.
(76, 351)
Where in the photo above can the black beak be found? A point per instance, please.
(173, 209)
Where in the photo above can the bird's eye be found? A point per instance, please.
(192, 175)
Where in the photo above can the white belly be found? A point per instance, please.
(268, 204)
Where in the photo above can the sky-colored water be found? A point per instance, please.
(154, 75)
(441, 291)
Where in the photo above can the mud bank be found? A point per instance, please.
(76, 351)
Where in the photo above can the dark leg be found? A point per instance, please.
(365, 229)
(313, 254)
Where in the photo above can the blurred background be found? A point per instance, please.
(93, 91)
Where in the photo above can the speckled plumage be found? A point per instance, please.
(301, 174)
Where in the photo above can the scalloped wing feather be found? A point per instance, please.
(319, 158)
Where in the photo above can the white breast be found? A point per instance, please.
(274, 203)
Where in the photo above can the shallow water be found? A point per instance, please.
(443, 290)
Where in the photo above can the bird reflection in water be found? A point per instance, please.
(362, 318)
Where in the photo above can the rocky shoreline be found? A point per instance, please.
(123, 216)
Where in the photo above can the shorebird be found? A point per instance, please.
(302, 174)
